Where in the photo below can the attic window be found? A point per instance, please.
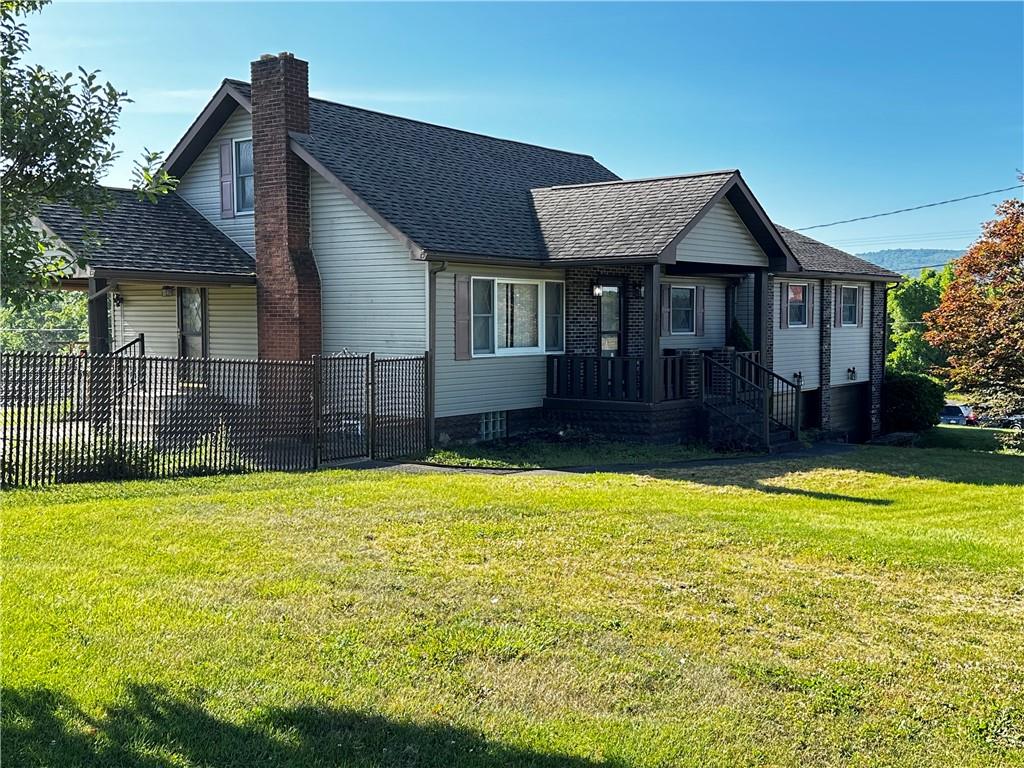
(244, 186)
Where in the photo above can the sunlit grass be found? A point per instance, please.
(857, 609)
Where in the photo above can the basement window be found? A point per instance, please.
(493, 425)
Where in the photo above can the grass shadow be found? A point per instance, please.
(762, 474)
(155, 729)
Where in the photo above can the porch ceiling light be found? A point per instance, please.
(598, 290)
(166, 291)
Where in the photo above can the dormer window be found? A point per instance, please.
(245, 188)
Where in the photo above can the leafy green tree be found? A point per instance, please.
(909, 351)
(56, 143)
(53, 322)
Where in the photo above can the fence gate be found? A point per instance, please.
(398, 411)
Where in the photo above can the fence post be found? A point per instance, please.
(371, 407)
(317, 411)
(428, 397)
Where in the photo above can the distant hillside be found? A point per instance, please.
(909, 261)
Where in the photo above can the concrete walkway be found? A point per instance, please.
(815, 451)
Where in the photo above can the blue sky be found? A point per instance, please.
(830, 110)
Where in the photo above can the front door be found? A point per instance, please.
(609, 313)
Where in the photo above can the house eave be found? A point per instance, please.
(180, 277)
(852, 276)
(204, 127)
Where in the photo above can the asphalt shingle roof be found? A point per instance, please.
(622, 218)
(815, 256)
(133, 234)
(450, 191)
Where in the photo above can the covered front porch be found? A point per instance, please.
(651, 349)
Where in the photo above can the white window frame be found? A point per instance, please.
(541, 318)
(856, 306)
(789, 320)
(234, 178)
(693, 309)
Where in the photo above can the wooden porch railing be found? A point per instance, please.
(622, 379)
(588, 377)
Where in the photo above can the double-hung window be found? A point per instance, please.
(797, 301)
(245, 188)
(515, 317)
(848, 304)
(682, 309)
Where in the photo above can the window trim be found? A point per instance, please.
(541, 318)
(693, 309)
(856, 306)
(789, 303)
(234, 178)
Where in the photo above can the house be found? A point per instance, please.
(541, 285)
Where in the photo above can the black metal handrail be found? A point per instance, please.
(724, 390)
(134, 348)
(784, 395)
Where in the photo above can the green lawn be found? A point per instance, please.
(859, 609)
(570, 450)
(962, 438)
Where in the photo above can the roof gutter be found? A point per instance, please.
(512, 261)
(843, 276)
(175, 278)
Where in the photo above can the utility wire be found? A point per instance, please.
(905, 210)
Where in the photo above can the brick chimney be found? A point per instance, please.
(287, 281)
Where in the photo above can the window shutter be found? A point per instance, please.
(666, 310)
(783, 305)
(463, 318)
(810, 305)
(698, 311)
(227, 182)
(860, 306)
(837, 307)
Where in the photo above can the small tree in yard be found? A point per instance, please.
(56, 135)
(980, 320)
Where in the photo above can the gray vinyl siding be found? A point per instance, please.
(200, 186)
(714, 316)
(851, 346)
(231, 320)
(484, 383)
(145, 310)
(798, 349)
(373, 294)
(721, 237)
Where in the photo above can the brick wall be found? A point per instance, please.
(772, 322)
(878, 291)
(466, 428)
(581, 308)
(668, 422)
(287, 281)
(828, 293)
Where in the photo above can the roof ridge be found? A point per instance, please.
(434, 125)
(698, 174)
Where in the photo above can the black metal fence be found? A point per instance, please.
(68, 418)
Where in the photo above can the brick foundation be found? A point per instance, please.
(287, 281)
(827, 301)
(466, 428)
(878, 308)
(668, 422)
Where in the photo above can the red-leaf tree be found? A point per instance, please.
(980, 319)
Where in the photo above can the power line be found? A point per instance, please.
(905, 210)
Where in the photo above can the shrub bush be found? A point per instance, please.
(911, 402)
